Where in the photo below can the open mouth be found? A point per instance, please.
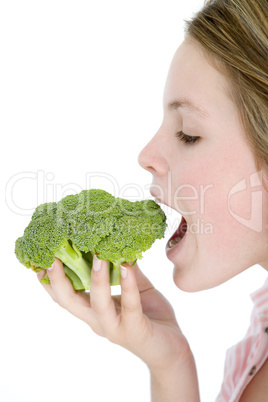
(178, 235)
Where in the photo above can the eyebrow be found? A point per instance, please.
(187, 104)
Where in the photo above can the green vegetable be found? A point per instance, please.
(90, 223)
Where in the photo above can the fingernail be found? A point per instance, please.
(96, 264)
(52, 266)
(123, 271)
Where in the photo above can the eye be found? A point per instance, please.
(188, 139)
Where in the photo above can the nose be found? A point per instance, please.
(152, 156)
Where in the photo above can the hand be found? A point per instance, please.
(141, 319)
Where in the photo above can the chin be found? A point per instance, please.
(192, 279)
(190, 283)
(184, 282)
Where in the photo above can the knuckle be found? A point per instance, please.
(105, 329)
(113, 339)
(98, 310)
(130, 307)
(61, 303)
(97, 306)
(99, 285)
(101, 307)
(99, 330)
(137, 335)
(113, 336)
(54, 298)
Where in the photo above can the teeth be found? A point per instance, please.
(175, 241)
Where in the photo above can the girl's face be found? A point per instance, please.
(203, 167)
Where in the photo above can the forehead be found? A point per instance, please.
(192, 77)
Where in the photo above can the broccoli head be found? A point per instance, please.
(90, 223)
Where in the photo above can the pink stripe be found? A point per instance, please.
(240, 357)
(255, 324)
(263, 292)
(262, 302)
(238, 367)
(225, 395)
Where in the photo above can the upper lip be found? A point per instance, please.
(158, 198)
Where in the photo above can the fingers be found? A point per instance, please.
(56, 276)
(47, 287)
(61, 286)
(131, 308)
(63, 293)
(100, 295)
(41, 274)
(98, 308)
(118, 327)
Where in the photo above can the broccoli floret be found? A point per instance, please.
(90, 223)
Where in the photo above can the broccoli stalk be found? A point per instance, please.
(73, 258)
(78, 265)
(75, 280)
(115, 274)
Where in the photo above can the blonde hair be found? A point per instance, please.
(235, 34)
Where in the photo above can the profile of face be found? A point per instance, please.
(204, 168)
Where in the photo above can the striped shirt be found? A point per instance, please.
(244, 359)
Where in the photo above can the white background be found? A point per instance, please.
(81, 92)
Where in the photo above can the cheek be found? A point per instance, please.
(196, 188)
(216, 185)
(241, 200)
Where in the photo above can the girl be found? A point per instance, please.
(214, 135)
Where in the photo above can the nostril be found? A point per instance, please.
(147, 160)
(150, 169)
(144, 162)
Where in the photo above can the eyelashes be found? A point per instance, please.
(188, 139)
